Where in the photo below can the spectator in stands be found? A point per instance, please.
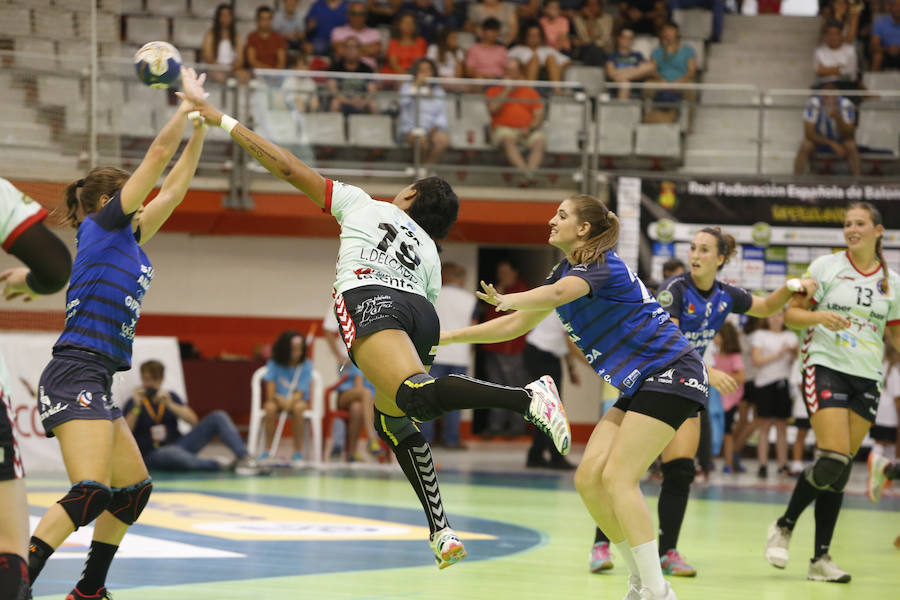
(675, 62)
(266, 48)
(153, 413)
(555, 27)
(447, 54)
(672, 267)
(593, 37)
(829, 127)
(835, 60)
(487, 59)
(406, 45)
(369, 38)
(324, 16)
(423, 112)
(642, 16)
(716, 6)
(351, 96)
(534, 57)
(382, 12)
(287, 385)
(845, 14)
(222, 46)
(886, 40)
(517, 114)
(429, 18)
(455, 308)
(504, 12)
(527, 11)
(290, 22)
(301, 96)
(625, 65)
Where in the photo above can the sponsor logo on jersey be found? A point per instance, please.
(370, 309)
(632, 378)
(693, 383)
(723, 306)
(691, 309)
(594, 355)
(665, 298)
(825, 394)
(84, 398)
(664, 377)
(880, 286)
(846, 277)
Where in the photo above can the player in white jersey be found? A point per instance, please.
(22, 234)
(857, 302)
(388, 278)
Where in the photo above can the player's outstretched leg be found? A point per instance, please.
(414, 455)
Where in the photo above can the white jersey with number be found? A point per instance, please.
(843, 289)
(18, 212)
(381, 245)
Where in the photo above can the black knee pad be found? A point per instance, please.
(827, 470)
(841, 482)
(678, 475)
(417, 397)
(393, 430)
(85, 501)
(128, 503)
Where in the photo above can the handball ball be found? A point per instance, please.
(158, 64)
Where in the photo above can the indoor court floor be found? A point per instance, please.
(357, 533)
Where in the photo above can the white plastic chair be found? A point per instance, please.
(313, 415)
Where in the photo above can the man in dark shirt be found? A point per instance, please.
(352, 95)
(153, 414)
(644, 17)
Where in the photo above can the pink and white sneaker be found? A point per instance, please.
(601, 559)
(547, 413)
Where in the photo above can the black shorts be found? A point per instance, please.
(827, 388)
(10, 459)
(773, 401)
(883, 433)
(73, 387)
(802, 423)
(370, 308)
(749, 390)
(730, 414)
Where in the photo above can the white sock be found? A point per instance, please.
(625, 552)
(646, 557)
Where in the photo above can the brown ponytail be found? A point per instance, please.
(875, 215)
(726, 245)
(86, 193)
(604, 233)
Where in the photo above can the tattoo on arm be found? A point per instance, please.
(262, 154)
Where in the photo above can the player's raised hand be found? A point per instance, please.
(192, 87)
(491, 296)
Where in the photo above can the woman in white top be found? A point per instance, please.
(773, 350)
(533, 55)
(222, 46)
(447, 54)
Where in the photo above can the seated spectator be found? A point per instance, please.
(287, 383)
(835, 59)
(423, 113)
(406, 46)
(368, 37)
(301, 97)
(527, 11)
(625, 65)
(555, 27)
(447, 54)
(290, 22)
(222, 46)
(593, 33)
(152, 414)
(846, 15)
(382, 12)
(324, 16)
(487, 58)
(716, 6)
(503, 12)
(266, 49)
(676, 63)
(351, 96)
(429, 18)
(886, 40)
(829, 124)
(533, 57)
(517, 114)
(644, 17)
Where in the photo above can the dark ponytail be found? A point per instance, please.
(86, 193)
(604, 233)
(875, 215)
(725, 244)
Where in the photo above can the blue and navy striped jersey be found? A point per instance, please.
(110, 275)
(622, 330)
(700, 316)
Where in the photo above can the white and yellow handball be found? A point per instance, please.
(158, 64)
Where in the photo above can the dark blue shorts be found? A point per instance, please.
(75, 389)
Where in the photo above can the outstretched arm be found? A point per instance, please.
(175, 185)
(503, 328)
(774, 302)
(277, 160)
(544, 298)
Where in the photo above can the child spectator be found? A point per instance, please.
(324, 16)
(533, 56)
(729, 360)
(593, 33)
(555, 27)
(405, 47)
(266, 48)
(290, 22)
(487, 59)
(625, 65)
(423, 112)
(447, 54)
(369, 38)
(504, 12)
(222, 46)
(351, 95)
(886, 40)
(835, 59)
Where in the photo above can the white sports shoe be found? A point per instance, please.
(547, 412)
(647, 594)
(634, 588)
(824, 569)
(448, 549)
(777, 546)
(877, 479)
